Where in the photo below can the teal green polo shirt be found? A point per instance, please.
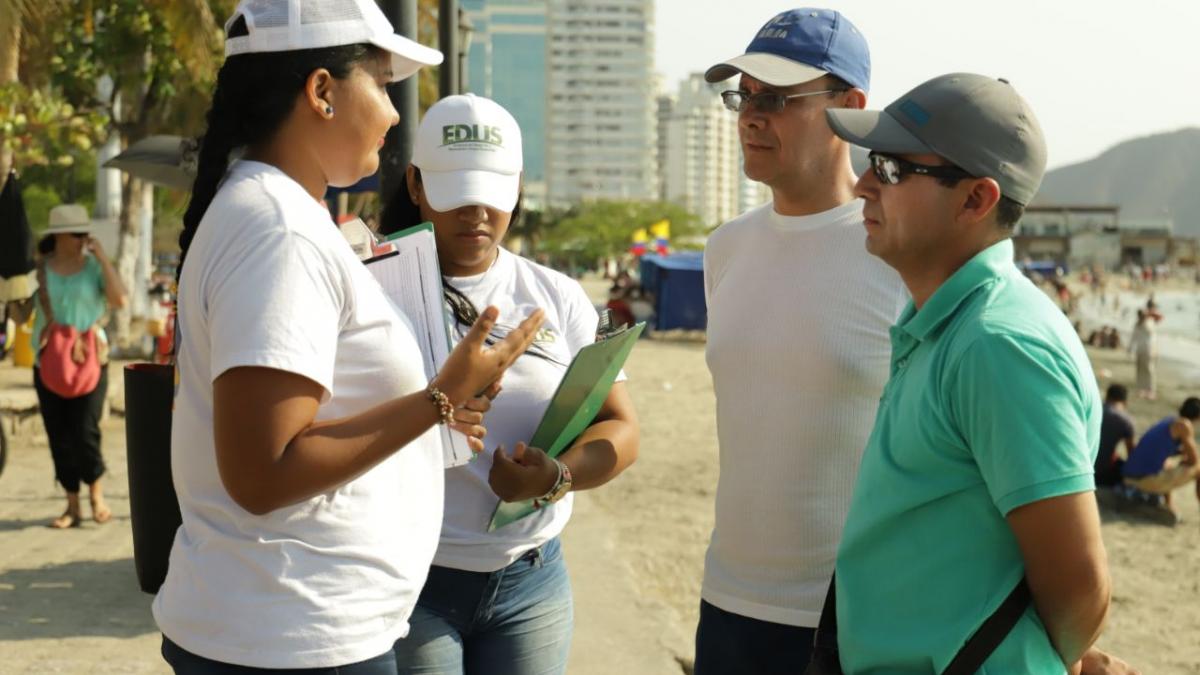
(991, 405)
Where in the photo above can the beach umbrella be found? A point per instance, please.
(16, 244)
(165, 160)
(170, 161)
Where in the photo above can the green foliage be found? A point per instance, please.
(43, 129)
(599, 229)
(159, 70)
(39, 199)
(169, 206)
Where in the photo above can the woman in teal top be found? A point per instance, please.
(80, 288)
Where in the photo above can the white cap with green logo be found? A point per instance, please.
(468, 149)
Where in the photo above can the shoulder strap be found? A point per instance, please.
(44, 293)
(826, 636)
(825, 659)
(993, 631)
(968, 660)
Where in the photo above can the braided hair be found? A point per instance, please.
(254, 95)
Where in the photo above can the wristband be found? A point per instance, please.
(442, 403)
(561, 486)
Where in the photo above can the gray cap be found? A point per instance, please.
(978, 123)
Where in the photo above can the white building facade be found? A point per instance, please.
(699, 154)
(600, 101)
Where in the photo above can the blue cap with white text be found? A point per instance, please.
(801, 45)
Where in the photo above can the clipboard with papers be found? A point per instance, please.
(580, 395)
(412, 279)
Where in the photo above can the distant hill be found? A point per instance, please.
(1152, 177)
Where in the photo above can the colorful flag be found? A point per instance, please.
(638, 248)
(661, 231)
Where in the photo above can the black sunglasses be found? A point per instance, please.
(890, 170)
(764, 101)
(465, 315)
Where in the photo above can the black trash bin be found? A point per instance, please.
(154, 508)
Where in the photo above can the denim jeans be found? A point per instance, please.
(732, 644)
(184, 662)
(514, 621)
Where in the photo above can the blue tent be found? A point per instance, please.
(677, 283)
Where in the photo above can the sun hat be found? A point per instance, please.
(800, 45)
(980, 124)
(468, 149)
(69, 219)
(289, 25)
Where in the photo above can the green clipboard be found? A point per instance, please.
(579, 396)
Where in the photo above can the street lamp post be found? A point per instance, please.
(465, 28)
(398, 145)
(448, 43)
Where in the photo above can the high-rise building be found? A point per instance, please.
(699, 156)
(507, 63)
(751, 192)
(600, 105)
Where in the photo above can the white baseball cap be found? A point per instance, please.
(290, 25)
(468, 149)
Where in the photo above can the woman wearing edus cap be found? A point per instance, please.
(499, 603)
(309, 486)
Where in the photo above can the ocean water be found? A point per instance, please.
(1178, 332)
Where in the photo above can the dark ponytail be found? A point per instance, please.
(402, 212)
(255, 93)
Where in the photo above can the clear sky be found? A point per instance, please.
(1096, 72)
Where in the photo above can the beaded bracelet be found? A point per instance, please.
(442, 402)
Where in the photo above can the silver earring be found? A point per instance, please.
(328, 110)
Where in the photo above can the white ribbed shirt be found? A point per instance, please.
(798, 348)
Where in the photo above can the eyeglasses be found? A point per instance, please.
(765, 101)
(890, 170)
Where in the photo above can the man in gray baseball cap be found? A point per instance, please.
(974, 496)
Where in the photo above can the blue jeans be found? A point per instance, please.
(732, 644)
(184, 662)
(515, 621)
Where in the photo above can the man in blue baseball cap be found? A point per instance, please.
(796, 385)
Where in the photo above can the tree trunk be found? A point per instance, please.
(132, 124)
(128, 245)
(10, 58)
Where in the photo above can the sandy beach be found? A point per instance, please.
(69, 602)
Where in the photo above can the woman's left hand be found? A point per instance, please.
(528, 474)
(468, 418)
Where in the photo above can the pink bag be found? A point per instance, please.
(59, 372)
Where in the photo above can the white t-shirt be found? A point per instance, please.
(516, 286)
(798, 347)
(269, 281)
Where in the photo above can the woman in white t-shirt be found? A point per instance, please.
(308, 480)
(499, 603)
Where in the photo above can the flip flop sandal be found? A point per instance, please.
(102, 516)
(66, 521)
